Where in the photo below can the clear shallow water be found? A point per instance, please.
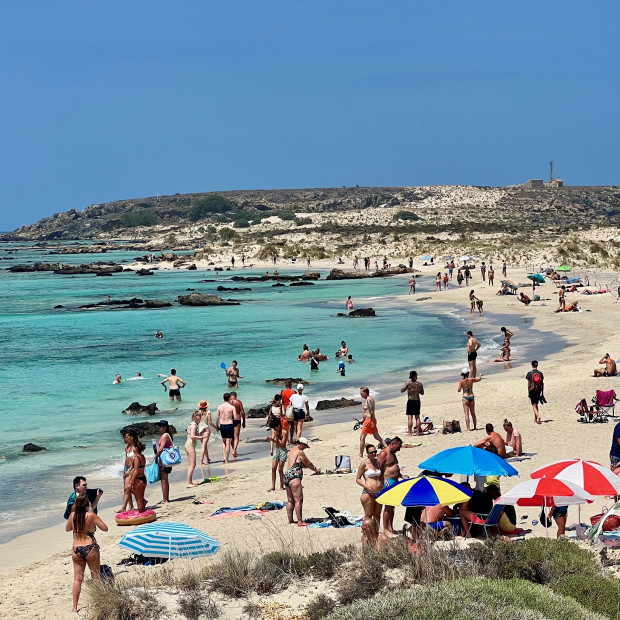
(59, 365)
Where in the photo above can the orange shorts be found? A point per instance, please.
(284, 423)
(369, 427)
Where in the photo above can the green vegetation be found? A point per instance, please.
(226, 234)
(405, 215)
(284, 214)
(204, 207)
(143, 217)
(600, 594)
(241, 224)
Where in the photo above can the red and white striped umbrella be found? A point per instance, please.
(590, 476)
(545, 492)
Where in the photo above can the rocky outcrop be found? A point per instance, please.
(137, 409)
(156, 303)
(144, 272)
(198, 299)
(260, 411)
(337, 403)
(277, 284)
(131, 304)
(339, 274)
(98, 268)
(145, 429)
(311, 275)
(360, 312)
(283, 380)
(32, 447)
(301, 284)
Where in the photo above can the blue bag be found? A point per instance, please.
(152, 472)
(171, 456)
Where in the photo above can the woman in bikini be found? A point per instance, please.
(370, 477)
(165, 442)
(274, 419)
(85, 549)
(204, 430)
(136, 478)
(193, 436)
(130, 438)
(466, 385)
(438, 282)
(473, 301)
(297, 461)
(349, 303)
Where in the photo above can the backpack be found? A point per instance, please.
(537, 381)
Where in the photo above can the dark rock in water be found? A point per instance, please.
(144, 272)
(423, 298)
(32, 447)
(225, 288)
(339, 274)
(260, 411)
(197, 299)
(191, 289)
(137, 408)
(283, 380)
(360, 312)
(311, 275)
(337, 403)
(156, 303)
(192, 267)
(145, 429)
(277, 284)
(103, 273)
(59, 306)
(301, 284)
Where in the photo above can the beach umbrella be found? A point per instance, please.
(537, 277)
(464, 258)
(424, 491)
(169, 540)
(589, 475)
(563, 268)
(426, 257)
(468, 461)
(448, 257)
(545, 492)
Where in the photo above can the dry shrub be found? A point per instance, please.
(268, 576)
(320, 607)
(231, 574)
(193, 604)
(109, 600)
(363, 577)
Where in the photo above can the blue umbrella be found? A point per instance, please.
(169, 540)
(468, 461)
(426, 257)
(448, 257)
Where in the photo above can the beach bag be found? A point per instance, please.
(171, 456)
(105, 572)
(290, 416)
(343, 464)
(611, 523)
(152, 472)
(447, 427)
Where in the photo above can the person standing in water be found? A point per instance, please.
(412, 285)
(176, 383)
(472, 353)
(233, 375)
(466, 385)
(349, 303)
(238, 420)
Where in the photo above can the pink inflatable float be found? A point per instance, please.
(133, 517)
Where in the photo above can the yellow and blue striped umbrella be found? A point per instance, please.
(424, 491)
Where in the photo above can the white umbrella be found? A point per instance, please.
(464, 258)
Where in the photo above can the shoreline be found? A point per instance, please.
(585, 337)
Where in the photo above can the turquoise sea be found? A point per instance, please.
(58, 364)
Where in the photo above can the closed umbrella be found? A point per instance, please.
(424, 491)
(469, 461)
(545, 492)
(169, 540)
(537, 277)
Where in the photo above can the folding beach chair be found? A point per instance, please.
(605, 402)
(487, 522)
(588, 413)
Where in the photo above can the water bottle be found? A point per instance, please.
(154, 446)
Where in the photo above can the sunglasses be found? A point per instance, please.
(372, 453)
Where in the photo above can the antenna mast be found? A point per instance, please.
(550, 171)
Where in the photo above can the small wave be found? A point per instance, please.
(109, 471)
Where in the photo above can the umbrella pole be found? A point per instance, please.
(545, 516)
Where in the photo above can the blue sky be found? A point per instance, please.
(104, 101)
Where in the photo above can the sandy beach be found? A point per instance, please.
(36, 570)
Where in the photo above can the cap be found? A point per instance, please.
(465, 371)
(300, 386)
(162, 423)
(304, 441)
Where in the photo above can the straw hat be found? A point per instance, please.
(203, 404)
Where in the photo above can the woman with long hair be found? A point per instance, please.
(85, 549)
(136, 478)
(193, 436)
(466, 385)
(165, 441)
(274, 419)
(370, 478)
(131, 439)
(204, 429)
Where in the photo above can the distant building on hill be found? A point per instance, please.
(556, 183)
(534, 184)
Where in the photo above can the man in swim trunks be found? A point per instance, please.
(472, 353)
(233, 375)
(610, 367)
(176, 383)
(238, 419)
(389, 463)
(369, 425)
(433, 517)
(535, 389)
(80, 487)
(414, 389)
(492, 439)
(280, 455)
(224, 423)
(286, 394)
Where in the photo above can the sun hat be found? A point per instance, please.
(203, 404)
(300, 386)
(304, 441)
(162, 423)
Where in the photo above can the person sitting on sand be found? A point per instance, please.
(433, 517)
(503, 290)
(513, 440)
(524, 299)
(492, 440)
(610, 367)
(505, 354)
(479, 503)
(574, 307)
(370, 532)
